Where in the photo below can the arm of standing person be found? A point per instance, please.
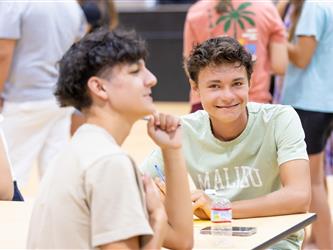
(189, 38)
(278, 53)
(6, 180)
(301, 52)
(281, 7)
(6, 55)
(310, 28)
(279, 57)
(166, 132)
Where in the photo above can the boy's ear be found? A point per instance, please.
(194, 86)
(96, 87)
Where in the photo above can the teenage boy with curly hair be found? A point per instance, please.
(93, 195)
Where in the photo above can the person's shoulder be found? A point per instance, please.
(91, 143)
(15, 8)
(262, 6)
(195, 121)
(270, 112)
(198, 115)
(265, 10)
(198, 9)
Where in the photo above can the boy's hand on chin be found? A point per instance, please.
(165, 130)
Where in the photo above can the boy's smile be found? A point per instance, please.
(223, 90)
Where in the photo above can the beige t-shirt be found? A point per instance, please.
(92, 195)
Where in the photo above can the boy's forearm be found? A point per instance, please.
(283, 201)
(178, 199)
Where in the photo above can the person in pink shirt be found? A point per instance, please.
(256, 25)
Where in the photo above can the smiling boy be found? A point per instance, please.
(254, 154)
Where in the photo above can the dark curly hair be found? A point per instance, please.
(94, 55)
(217, 51)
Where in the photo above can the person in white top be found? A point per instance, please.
(33, 37)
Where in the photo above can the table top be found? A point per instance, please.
(14, 223)
(15, 216)
(269, 231)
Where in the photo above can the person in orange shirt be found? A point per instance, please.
(256, 25)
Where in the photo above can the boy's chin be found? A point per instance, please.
(152, 109)
(149, 111)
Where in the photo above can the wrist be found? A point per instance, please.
(171, 150)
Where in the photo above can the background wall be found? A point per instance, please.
(162, 27)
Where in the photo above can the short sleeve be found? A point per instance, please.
(278, 31)
(115, 201)
(289, 136)
(311, 22)
(10, 19)
(148, 165)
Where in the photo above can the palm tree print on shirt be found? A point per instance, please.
(234, 17)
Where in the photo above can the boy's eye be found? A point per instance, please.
(238, 84)
(135, 70)
(213, 86)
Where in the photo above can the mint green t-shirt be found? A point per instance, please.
(248, 166)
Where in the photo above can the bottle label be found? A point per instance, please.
(219, 215)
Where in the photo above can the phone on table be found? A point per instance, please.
(234, 231)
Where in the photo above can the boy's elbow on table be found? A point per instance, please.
(302, 201)
(186, 244)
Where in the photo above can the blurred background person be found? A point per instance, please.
(257, 26)
(308, 88)
(33, 38)
(285, 9)
(100, 13)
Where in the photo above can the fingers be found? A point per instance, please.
(196, 195)
(164, 122)
(200, 213)
(149, 185)
(160, 184)
(200, 201)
